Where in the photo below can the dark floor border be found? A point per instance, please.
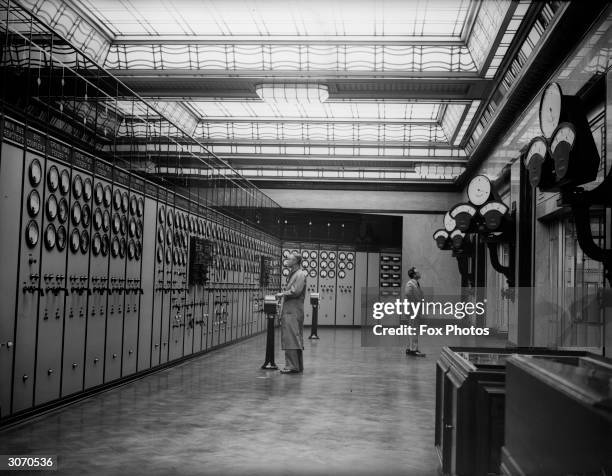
(27, 416)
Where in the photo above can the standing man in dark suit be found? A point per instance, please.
(414, 293)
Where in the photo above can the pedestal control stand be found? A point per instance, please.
(270, 309)
(314, 300)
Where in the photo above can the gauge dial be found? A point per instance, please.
(97, 219)
(286, 254)
(170, 217)
(131, 250)
(51, 208)
(35, 172)
(332, 265)
(64, 182)
(160, 253)
(341, 274)
(76, 213)
(349, 266)
(107, 195)
(116, 223)
(323, 273)
(77, 187)
(32, 234)
(550, 109)
(331, 273)
(61, 238)
(332, 255)
(98, 193)
(350, 256)
(86, 215)
(169, 237)
(341, 265)
(168, 256)
(132, 227)
(140, 207)
(62, 211)
(139, 229)
(160, 235)
(125, 202)
(84, 241)
(114, 248)
(105, 245)
(304, 264)
(96, 244)
(323, 264)
(161, 215)
(52, 178)
(75, 240)
(561, 145)
(133, 205)
(106, 220)
(479, 190)
(123, 225)
(493, 212)
(122, 247)
(50, 237)
(138, 251)
(313, 273)
(285, 272)
(535, 158)
(449, 222)
(342, 256)
(323, 254)
(304, 254)
(117, 200)
(87, 189)
(33, 203)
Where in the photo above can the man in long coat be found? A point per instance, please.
(292, 316)
(414, 293)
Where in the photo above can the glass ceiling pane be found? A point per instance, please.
(381, 111)
(274, 18)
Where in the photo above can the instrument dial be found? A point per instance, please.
(32, 234)
(161, 215)
(116, 224)
(169, 237)
(75, 240)
(132, 227)
(140, 207)
(138, 251)
(51, 208)
(342, 256)
(313, 254)
(170, 217)
(323, 264)
(107, 196)
(123, 225)
(133, 205)
(160, 253)
(117, 200)
(35, 173)
(105, 245)
(50, 237)
(449, 222)
(323, 273)
(86, 215)
(98, 193)
(550, 109)
(63, 210)
(125, 202)
(131, 250)
(479, 190)
(285, 272)
(33, 203)
(332, 265)
(64, 182)
(97, 219)
(331, 273)
(106, 220)
(52, 178)
(323, 254)
(341, 265)
(332, 255)
(160, 235)
(84, 241)
(350, 256)
(76, 213)
(349, 266)
(115, 247)
(561, 145)
(61, 238)
(77, 187)
(96, 244)
(139, 229)
(87, 189)
(168, 256)
(304, 264)
(313, 273)
(122, 247)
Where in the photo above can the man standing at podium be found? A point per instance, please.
(292, 316)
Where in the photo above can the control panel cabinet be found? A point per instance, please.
(345, 288)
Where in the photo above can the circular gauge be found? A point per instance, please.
(84, 241)
(313, 273)
(304, 264)
(304, 254)
(286, 254)
(342, 255)
(331, 273)
(323, 264)
(117, 200)
(170, 217)
(160, 253)
(61, 238)
(132, 227)
(106, 220)
(349, 266)
(76, 213)
(285, 272)
(550, 108)
(168, 256)
(313, 264)
(35, 172)
(122, 247)
(313, 254)
(87, 189)
(175, 257)
(160, 235)
(98, 193)
(75, 240)
(64, 182)
(479, 190)
(32, 234)
(123, 225)
(115, 247)
(285, 263)
(116, 224)
(323, 254)
(33, 203)
(97, 219)
(332, 265)
(86, 216)
(341, 274)
(350, 256)
(161, 215)
(77, 187)
(139, 229)
(63, 210)
(341, 265)
(177, 220)
(140, 207)
(105, 245)
(169, 237)
(133, 205)
(51, 207)
(50, 237)
(138, 251)
(332, 255)
(52, 179)
(323, 273)
(96, 244)
(125, 202)
(131, 250)
(107, 196)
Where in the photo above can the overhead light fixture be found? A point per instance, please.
(289, 92)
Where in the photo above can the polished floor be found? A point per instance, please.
(355, 410)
